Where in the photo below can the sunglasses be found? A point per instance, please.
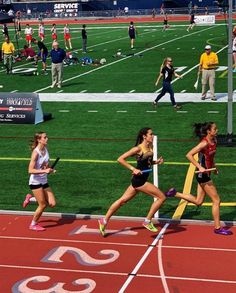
(169, 60)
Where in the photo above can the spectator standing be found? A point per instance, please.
(57, 56)
(207, 66)
(43, 53)
(54, 32)
(8, 50)
(84, 39)
(28, 34)
(132, 34)
(5, 30)
(126, 10)
(41, 31)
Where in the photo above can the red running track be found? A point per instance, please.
(71, 256)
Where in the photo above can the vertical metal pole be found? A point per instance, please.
(230, 71)
(155, 167)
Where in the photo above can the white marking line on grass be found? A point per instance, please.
(132, 91)
(151, 111)
(191, 69)
(60, 91)
(123, 59)
(213, 112)
(183, 91)
(92, 111)
(14, 91)
(120, 111)
(146, 254)
(182, 111)
(83, 91)
(64, 111)
(107, 91)
(161, 269)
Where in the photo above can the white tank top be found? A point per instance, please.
(41, 162)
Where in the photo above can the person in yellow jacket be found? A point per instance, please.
(8, 50)
(207, 66)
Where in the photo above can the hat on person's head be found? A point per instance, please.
(207, 47)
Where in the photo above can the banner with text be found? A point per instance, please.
(65, 9)
(20, 108)
(205, 19)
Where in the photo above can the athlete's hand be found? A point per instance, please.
(49, 170)
(202, 170)
(160, 161)
(156, 83)
(136, 172)
(216, 172)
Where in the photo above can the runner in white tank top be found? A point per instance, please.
(38, 183)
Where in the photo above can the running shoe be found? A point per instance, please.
(223, 231)
(177, 107)
(171, 192)
(102, 226)
(150, 227)
(37, 228)
(27, 200)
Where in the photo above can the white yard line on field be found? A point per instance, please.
(125, 58)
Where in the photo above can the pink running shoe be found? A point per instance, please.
(223, 231)
(37, 228)
(171, 192)
(27, 200)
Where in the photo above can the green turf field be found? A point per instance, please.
(89, 179)
(128, 73)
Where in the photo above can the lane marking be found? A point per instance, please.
(120, 111)
(84, 91)
(132, 91)
(182, 111)
(107, 161)
(107, 91)
(64, 111)
(187, 190)
(60, 91)
(123, 59)
(209, 204)
(141, 261)
(151, 111)
(213, 112)
(161, 268)
(183, 91)
(92, 111)
(14, 91)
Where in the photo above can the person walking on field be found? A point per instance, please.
(84, 39)
(8, 50)
(57, 56)
(167, 71)
(207, 66)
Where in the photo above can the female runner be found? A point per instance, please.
(144, 156)
(206, 150)
(38, 170)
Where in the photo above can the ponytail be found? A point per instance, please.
(34, 142)
(200, 129)
(140, 135)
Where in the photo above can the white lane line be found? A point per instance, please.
(120, 111)
(60, 91)
(146, 254)
(213, 112)
(123, 59)
(1, 86)
(161, 269)
(182, 111)
(14, 91)
(191, 69)
(183, 91)
(107, 91)
(151, 111)
(92, 111)
(132, 91)
(84, 91)
(64, 111)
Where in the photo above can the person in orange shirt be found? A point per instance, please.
(207, 65)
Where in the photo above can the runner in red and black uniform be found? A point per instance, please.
(206, 150)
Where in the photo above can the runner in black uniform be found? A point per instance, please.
(144, 155)
(192, 21)
(167, 71)
(132, 34)
(165, 22)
